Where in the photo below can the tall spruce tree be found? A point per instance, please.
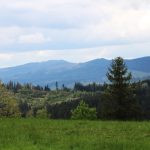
(119, 101)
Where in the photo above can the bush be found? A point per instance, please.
(41, 113)
(83, 112)
(8, 104)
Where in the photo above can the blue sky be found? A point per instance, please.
(74, 30)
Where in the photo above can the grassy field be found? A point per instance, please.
(38, 134)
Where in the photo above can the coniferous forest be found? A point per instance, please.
(118, 99)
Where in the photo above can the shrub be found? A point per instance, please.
(8, 104)
(83, 112)
(41, 113)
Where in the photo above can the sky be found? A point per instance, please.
(73, 30)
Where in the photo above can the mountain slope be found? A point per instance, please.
(139, 64)
(68, 73)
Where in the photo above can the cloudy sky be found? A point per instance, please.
(74, 30)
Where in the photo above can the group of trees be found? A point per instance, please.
(118, 99)
(92, 87)
(15, 87)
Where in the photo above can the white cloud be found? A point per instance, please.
(27, 25)
(75, 55)
(76, 21)
(5, 59)
(36, 38)
(8, 35)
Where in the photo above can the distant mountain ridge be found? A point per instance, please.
(68, 73)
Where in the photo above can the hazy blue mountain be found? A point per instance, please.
(68, 73)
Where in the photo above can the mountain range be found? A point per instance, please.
(67, 73)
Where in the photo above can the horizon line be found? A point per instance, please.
(34, 62)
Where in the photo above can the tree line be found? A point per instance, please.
(118, 99)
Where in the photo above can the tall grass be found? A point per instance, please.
(40, 134)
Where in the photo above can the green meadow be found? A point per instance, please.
(44, 134)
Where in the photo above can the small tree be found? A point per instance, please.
(8, 103)
(42, 113)
(56, 84)
(24, 108)
(83, 112)
(119, 101)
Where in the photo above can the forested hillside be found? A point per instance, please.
(35, 101)
(120, 98)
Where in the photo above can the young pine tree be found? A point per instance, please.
(119, 101)
(83, 112)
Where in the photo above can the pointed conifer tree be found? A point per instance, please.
(119, 101)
